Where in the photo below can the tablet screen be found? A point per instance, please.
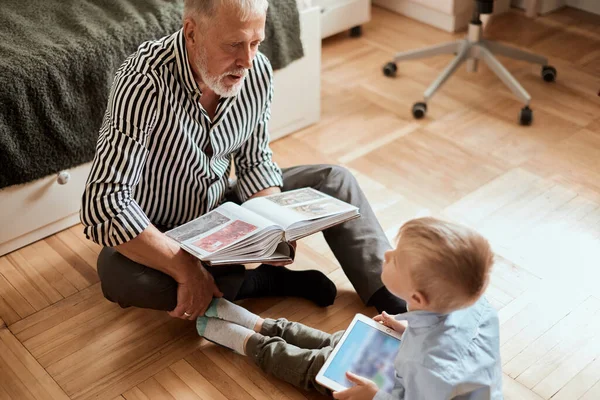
(367, 352)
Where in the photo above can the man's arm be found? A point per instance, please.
(110, 214)
(196, 286)
(257, 173)
(154, 249)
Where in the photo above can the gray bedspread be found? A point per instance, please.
(57, 62)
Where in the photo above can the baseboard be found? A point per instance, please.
(438, 19)
(545, 6)
(434, 17)
(39, 234)
(592, 6)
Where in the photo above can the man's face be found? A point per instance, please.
(222, 49)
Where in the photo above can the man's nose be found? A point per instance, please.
(245, 58)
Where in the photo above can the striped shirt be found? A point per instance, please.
(159, 157)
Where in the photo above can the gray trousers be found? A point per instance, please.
(358, 245)
(292, 352)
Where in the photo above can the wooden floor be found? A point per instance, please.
(534, 191)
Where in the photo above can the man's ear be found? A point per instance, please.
(190, 30)
(420, 299)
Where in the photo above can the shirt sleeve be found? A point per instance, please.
(254, 165)
(109, 213)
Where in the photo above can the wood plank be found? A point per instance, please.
(6, 311)
(24, 265)
(175, 386)
(513, 390)
(154, 390)
(22, 377)
(572, 366)
(201, 386)
(36, 256)
(77, 246)
(479, 131)
(258, 390)
(540, 320)
(210, 372)
(17, 292)
(581, 383)
(593, 393)
(415, 165)
(53, 258)
(135, 394)
(77, 230)
(577, 319)
(87, 271)
(62, 311)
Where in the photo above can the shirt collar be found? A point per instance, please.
(421, 319)
(183, 63)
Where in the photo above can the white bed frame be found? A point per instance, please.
(41, 208)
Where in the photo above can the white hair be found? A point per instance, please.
(246, 9)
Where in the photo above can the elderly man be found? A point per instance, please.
(180, 110)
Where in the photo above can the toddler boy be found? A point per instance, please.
(450, 335)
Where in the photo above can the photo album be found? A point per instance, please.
(261, 229)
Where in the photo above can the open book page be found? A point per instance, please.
(222, 228)
(298, 207)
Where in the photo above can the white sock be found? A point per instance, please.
(225, 333)
(223, 309)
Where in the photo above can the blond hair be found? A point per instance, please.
(449, 263)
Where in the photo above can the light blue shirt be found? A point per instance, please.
(449, 356)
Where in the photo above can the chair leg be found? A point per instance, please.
(504, 75)
(446, 48)
(450, 69)
(514, 53)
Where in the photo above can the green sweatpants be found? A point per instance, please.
(292, 352)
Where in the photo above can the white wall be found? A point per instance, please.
(592, 6)
(547, 6)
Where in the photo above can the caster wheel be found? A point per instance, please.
(549, 73)
(526, 116)
(390, 69)
(419, 110)
(356, 31)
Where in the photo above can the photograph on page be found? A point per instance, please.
(225, 236)
(295, 197)
(321, 208)
(199, 226)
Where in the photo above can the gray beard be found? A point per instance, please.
(215, 83)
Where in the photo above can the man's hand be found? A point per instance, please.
(194, 293)
(364, 389)
(389, 321)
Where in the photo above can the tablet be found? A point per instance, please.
(368, 349)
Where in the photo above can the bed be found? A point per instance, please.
(40, 189)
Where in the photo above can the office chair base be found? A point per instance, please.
(471, 50)
(419, 110)
(549, 73)
(526, 116)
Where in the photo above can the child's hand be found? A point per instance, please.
(390, 322)
(364, 389)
